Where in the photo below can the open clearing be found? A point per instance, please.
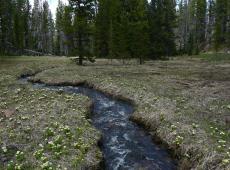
(183, 103)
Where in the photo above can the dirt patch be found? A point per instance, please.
(8, 113)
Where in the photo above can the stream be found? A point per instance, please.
(124, 144)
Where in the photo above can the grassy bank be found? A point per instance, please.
(41, 129)
(185, 103)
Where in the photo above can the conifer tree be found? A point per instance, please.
(228, 24)
(201, 22)
(137, 30)
(210, 23)
(45, 27)
(68, 31)
(6, 26)
(103, 28)
(18, 25)
(84, 13)
(162, 19)
(51, 34)
(27, 25)
(116, 39)
(221, 23)
(42, 27)
(59, 36)
(36, 26)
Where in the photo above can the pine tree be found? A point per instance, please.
(59, 37)
(20, 30)
(137, 29)
(221, 23)
(190, 46)
(103, 32)
(36, 26)
(228, 24)
(45, 27)
(19, 23)
(42, 27)
(153, 28)
(15, 26)
(6, 26)
(180, 30)
(210, 23)
(169, 26)
(27, 25)
(68, 31)
(83, 24)
(120, 29)
(201, 22)
(51, 28)
(116, 39)
(197, 26)
(162, 19)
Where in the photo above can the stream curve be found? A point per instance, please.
(124, 144)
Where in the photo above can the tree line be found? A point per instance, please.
(25, 29)
(114, 28)
(203, 25)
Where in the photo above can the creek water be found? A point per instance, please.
(124, 144)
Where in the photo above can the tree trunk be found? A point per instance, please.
(80, 61)
(80, 49)
(141, 60)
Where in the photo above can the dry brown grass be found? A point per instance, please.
(42, 129)
(182, 102)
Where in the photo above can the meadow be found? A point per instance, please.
(184, 103)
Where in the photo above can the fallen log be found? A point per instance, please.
(76, 59)
(35, 53)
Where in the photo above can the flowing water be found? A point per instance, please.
(124, 144)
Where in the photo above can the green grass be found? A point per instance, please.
(209, 57)
(215, 56)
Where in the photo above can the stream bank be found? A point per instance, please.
(124, 144)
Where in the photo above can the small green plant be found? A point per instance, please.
(47, 165)
(49, 132)
(58, 139)
(195, 126)
(162, 117)
(193, 132)
(20, 156)
(78, 160)
(4, 149)
(178, 140)
(79, 131)
(77, 145)
(173, 127)
(39, 153)
(226, 161)
(18, 167)
(10, 165)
